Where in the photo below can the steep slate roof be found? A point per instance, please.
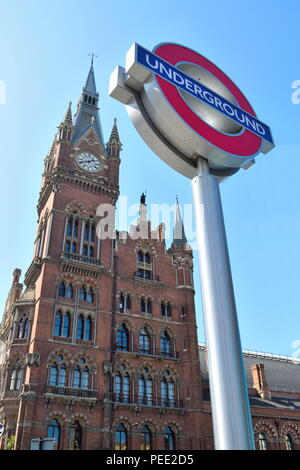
(87, 116)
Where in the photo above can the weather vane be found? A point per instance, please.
(93, 54)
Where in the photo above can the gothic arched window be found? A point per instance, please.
(122, 388)
(122, 338)
(90, 296)
(262, 441)
(80, 328)
(53, 431)
(66, 325)
(75, 436)
(165, 345)
(144, 342)
(289, 442)
(57, 374)
(88, 329)
(16, 377)
(58, 323)
(146, 438)
(169, 439)
(83, 294)
(69, 291)
(23, 328)
(62, 289)
(121, 438)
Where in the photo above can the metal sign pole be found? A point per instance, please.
(228, 388)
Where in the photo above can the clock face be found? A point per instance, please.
(88, 162)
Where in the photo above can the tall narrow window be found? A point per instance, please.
(149, 388)
(88, 329)
(169, 439)
(144, 342)
(80, 327)
(142, 390)
(262, 441)
(126, 388)
(122, 338)
(165, 345)
(118, 387)
(62, 290)
(85, 375)
(53, 374)
(53, 432)
(26, 328)
(16, 378)
(121, 438)
(62, 375)
(69, 291)
(289, 442)
(122, 303)
(90, 296)
(83, 294)
(146, 438)
(77, 378)
(58, 323)
(66, 325)
(75, 436)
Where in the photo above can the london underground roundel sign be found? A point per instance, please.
(184, 107)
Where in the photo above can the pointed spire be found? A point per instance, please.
(90, 85)
(179, 237)
(68, 116)
(114, 145)
(87, 115)
(66, 127)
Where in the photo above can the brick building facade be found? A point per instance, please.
(99, 349)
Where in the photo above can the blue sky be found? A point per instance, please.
(44, 63)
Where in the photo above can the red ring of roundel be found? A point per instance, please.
(245, 144)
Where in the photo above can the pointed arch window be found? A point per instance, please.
(69, 291)
(62, 289)
(146, 438)
(144, 342)
(122, 388)
(75, 436)
(58, 323)
(125, 303)
(169, 439)
(90, 296)
(289, 442)
(144, 266)
(166, 309)
(66, 325)
(57, 375)
(53, 431)
(84, 328)
(121, 438)
(80, 328)
(146, 306)
(165, 345)
(145, 388)
(88, 329)
(167, 389)
(262, 441)
(83, 294)
(23, 328)
(16, 378)
(122, 338)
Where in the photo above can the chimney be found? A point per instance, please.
(259, 381)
